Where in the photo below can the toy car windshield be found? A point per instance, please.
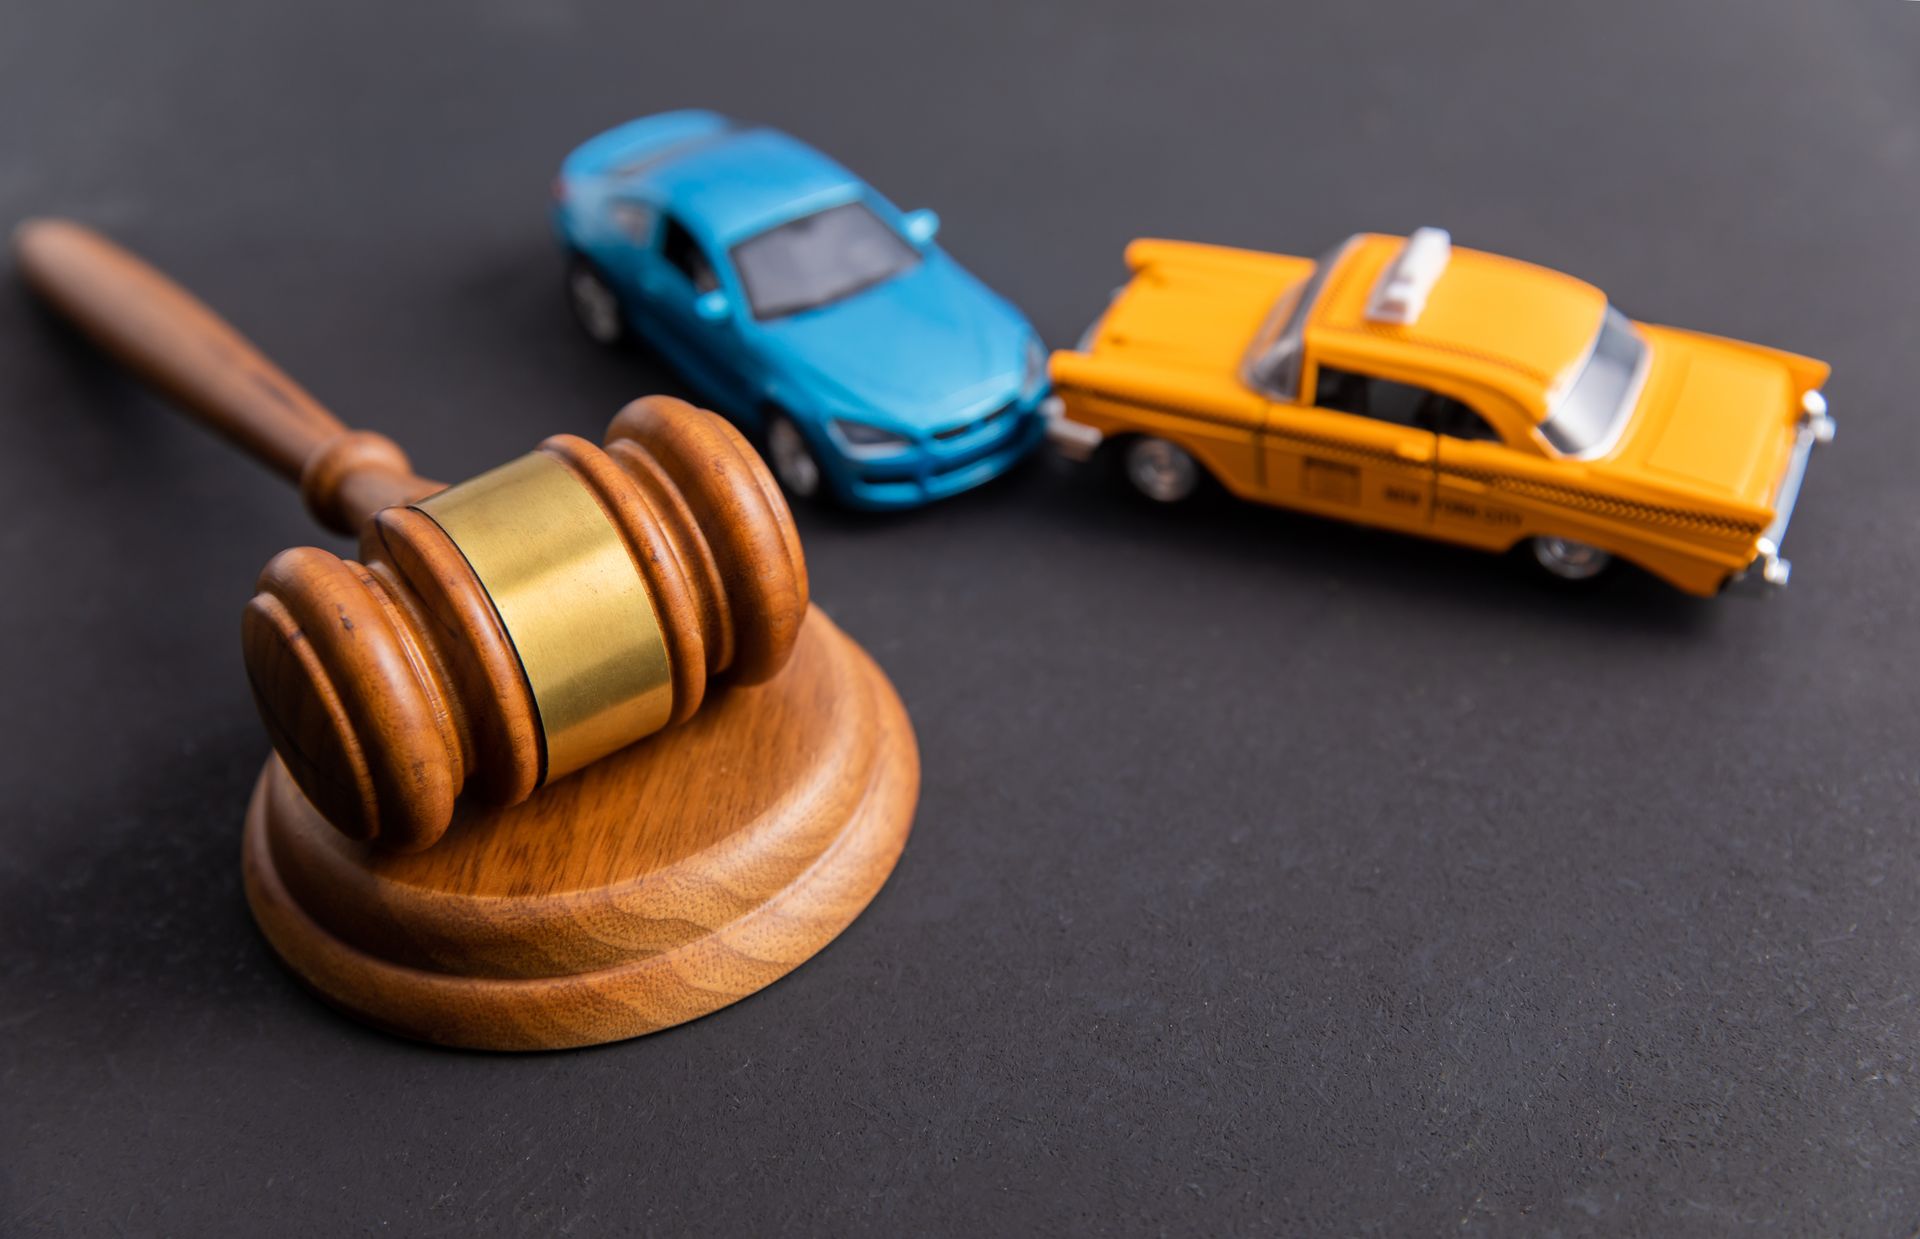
(1273, 363)
(819, 258)
(1585, 417)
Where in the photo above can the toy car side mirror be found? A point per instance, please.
(713, 306)
(921, 226)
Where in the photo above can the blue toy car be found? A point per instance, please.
(872, 366)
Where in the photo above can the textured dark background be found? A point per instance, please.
(1270, 876)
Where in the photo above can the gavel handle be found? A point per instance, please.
(171, 340)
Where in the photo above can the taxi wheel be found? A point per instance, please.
(1569, 560)
(596, 307)
(1164, 472)
(792, 460)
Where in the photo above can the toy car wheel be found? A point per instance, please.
(1570, 560)
(596, 307)
(792, 460)
(1164, 472)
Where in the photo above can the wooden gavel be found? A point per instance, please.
(500, 633)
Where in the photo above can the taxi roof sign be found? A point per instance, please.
(1408, 280)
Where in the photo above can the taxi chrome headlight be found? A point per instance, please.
(863, 440)
(1814, 415)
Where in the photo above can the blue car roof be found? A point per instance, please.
(736, 185)
(626, 149)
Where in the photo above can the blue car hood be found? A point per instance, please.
(919, 350)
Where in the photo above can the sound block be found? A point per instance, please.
(659, 884)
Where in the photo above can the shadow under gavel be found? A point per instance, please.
(496, 634)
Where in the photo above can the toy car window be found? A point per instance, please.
(1382, 400)
(1402, 404)
(1447, 416)
(1585, 415)
(819, 258)
(1343, 391)
(679, 248)
(1399, 403)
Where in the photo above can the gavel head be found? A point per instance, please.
(513, 628)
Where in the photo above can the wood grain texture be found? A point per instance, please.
(667, 880)
(657, 885)
(387, 684)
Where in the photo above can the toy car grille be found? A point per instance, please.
(967, 428)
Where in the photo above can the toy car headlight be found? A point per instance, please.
(862, 438)
(1036, 372)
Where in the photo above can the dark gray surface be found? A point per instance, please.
(1270, 876)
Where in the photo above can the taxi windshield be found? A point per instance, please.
(1273, 364)
(1585, 416)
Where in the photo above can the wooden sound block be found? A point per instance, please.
(664, 882)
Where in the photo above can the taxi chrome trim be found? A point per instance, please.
(1770, 570)
(1074, 440)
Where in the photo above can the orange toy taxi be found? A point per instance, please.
(1406, 383)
